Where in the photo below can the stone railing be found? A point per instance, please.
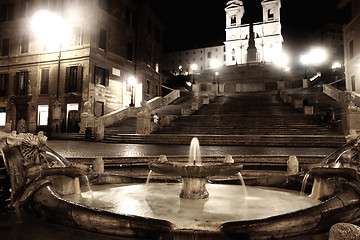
(97, 125)
(333, 92)
(118, 115)
(163, 101)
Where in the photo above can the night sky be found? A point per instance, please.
(200, 23)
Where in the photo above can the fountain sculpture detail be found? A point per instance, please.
(44, 181)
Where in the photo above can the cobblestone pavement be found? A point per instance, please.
(90, 149)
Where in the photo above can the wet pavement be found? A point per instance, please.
(91, 149)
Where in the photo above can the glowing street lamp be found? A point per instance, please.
(51, 30)
(214, 64)
(49, 27)
(315, 57)
(194, 68)
(132, 81)
(336, 65)
(180, 69)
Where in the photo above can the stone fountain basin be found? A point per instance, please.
(342, 207)
(196, 171)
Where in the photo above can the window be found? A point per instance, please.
(76, 36)
(129, 55)
(21, 83)
(105, 5)
(7, 12)
(351, 49)
(25, 8)
(233, 20)
(4, 79)
(44, 85)
(24, 47)
(148, 87)
(270, 14)
(156, 90)
(209, 54)
(5, 47)
(102, 39)
(101, 76)
(43, 115)
(353, 84)
(73, 79)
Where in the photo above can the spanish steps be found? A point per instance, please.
(243, 119)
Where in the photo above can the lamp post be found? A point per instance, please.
(193, 68)
(214, 64)
(132, 81)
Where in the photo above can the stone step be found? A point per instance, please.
(233, 140)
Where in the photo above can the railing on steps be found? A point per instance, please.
(97, 125)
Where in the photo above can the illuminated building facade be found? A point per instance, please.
(49, 69)
(352, 47)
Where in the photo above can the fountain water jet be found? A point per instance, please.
(194, 174)
(195, 154)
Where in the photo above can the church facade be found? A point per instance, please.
(266, 35)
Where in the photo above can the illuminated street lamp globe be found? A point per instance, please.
(49, 28)
(214, 63)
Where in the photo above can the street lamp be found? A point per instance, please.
(214, 64)
(180, 69)
(132, 81)
(315, 57)
(51, 30)
(194, 68)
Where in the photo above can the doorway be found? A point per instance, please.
(99, 109)
(72, 117)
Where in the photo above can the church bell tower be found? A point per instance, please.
(234, 13)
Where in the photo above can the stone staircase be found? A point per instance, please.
(126, 126)
(244, 119)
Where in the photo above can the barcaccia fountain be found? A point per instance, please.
(57, 190)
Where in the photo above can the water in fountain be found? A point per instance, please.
(56, 158)
(338, 162)
(303, 186)
(226, 203)
(148, 179)
(195, 155)
(88, 185)
(243, 185)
